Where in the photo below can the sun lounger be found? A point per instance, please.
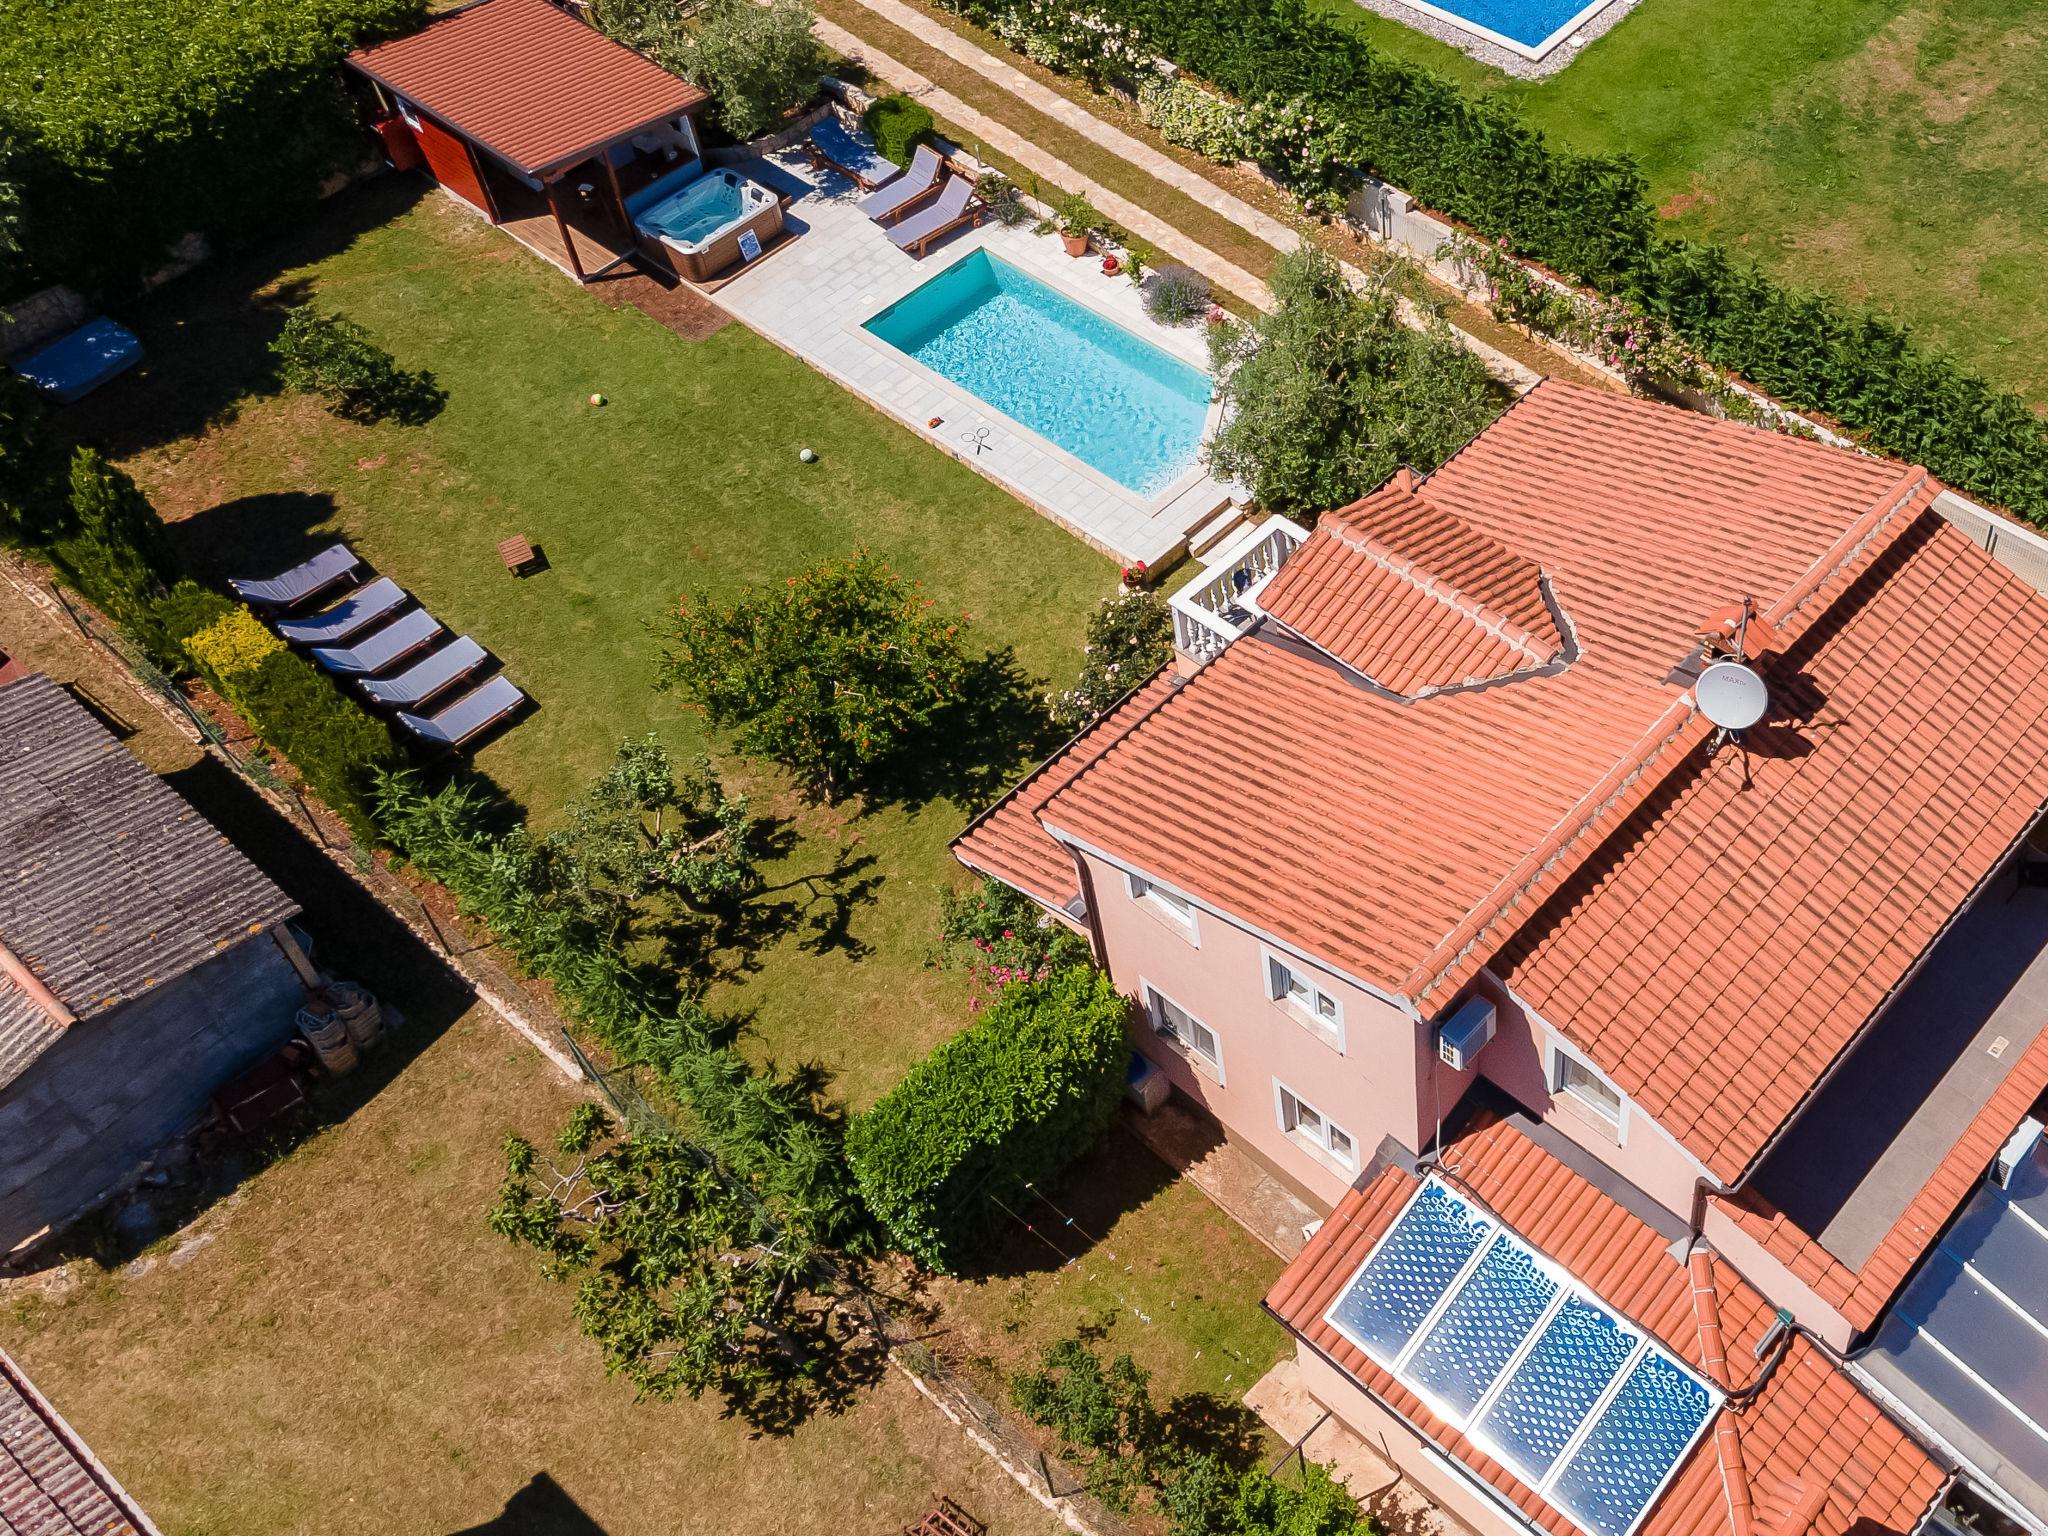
(894, 199)
(475, 711)
(335, 563)
(427, 676)
(389, 645)
(956, 205)
(849, 153)
(351, 616)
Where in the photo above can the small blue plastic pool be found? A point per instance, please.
(1115, 402)
(1531, 23)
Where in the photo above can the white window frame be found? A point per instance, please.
(1156, 1002)
(1329, 1030)
(1165, 902)
(1316, 1146)
(1585, 1107)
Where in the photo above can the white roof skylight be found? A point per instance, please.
(1582, 1405)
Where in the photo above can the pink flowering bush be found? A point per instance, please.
(1001, 938)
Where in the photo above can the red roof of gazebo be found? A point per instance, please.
(536, 87)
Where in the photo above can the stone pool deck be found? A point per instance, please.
(813, 297)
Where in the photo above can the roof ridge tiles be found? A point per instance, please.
(1441, 588)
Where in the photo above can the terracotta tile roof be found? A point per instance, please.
(1734, 935)
(1861, 1295)
(110, 882)
(527, 81)
(1811, 1426)
(1414, 598)
(1006, 840)
(1427, 823)
(50, 1483)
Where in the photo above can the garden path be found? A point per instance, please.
(1159, 167)
(1149, 227)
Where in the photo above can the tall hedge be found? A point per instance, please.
(125, 124)
(338, 747)
(1007, 1102)
(1589, 217)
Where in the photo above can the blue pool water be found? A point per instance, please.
(1528, 22)
(1115, 402)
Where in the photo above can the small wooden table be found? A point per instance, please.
(517, 553)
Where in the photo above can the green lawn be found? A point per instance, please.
(687, 478)
(1890, 152)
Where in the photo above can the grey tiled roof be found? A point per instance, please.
(110, 883)
(50, 1483)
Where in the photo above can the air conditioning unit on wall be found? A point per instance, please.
(1461, 1037)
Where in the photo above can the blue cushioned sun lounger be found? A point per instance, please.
(948, 213)
(893, 199)
(391, 643)
(473, 712)
(849, 153)
(73, 366)
(335, 563)
(428, 676)
(351, 616)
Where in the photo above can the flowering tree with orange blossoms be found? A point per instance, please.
(831, 673)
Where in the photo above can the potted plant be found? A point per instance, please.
(1077, 219)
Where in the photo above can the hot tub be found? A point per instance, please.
(699, 222)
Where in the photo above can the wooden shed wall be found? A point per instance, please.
(115, 1087)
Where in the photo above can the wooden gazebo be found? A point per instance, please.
(537, 120)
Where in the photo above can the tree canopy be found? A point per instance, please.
(833, 673)
(1329, 393)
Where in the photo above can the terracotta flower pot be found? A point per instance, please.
(1077, 245)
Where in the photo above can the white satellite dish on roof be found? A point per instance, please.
(1732, 695)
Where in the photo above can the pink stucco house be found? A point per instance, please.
(1434, 884)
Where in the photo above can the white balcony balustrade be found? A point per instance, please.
(1222, 603)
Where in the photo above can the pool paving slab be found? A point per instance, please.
(813, 299)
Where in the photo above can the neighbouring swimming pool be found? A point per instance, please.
(1530, 27)
(1114, 401)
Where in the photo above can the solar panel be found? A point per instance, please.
(1502, 1344)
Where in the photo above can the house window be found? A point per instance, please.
(1313, 1129)
(1185, 1033)
(1176, 908)
(1588, 1090)
(1317, 1009)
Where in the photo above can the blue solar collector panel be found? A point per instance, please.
(1592, 1413)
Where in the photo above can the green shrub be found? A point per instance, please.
(757, 61)
(897, 125)
(1073, 214)
(1008, 1102)
(1329, 393)
(831, 673)
(131, 124)
(1193, 118)
(33, 504)
(190, 608)
(1178, 296)
(113, 549)
(335, 358)
(1005, 202)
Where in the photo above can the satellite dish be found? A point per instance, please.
(1731, 695)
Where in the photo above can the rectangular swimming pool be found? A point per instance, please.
(1529, 27)
(1114, 401)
